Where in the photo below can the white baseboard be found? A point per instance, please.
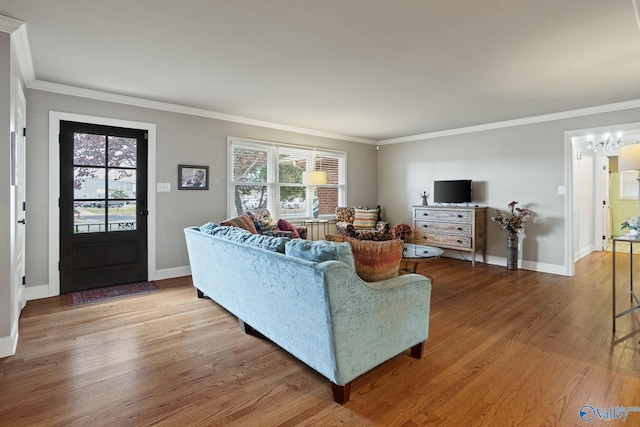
(42, 291)
(169, 273)
(37, 292)
(501, 261)
(9, 344)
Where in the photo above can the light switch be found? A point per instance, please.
(163, 187)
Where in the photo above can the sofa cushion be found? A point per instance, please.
(374, 260)
(243, 221)
(365, 218)
(236, 234)
(274, 244)
(320, 251)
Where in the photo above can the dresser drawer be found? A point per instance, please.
(459, 229)
(443, 240)
(448, 215)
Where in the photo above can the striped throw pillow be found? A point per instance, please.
(365, 218)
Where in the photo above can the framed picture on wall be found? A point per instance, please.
(192, 177)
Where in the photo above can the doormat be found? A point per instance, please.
(110, 292)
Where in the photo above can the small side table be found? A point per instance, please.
(635, 302)
(418, 254)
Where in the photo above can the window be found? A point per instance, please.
(628, 185)
(269, 175)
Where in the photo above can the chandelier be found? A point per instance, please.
(605, 143)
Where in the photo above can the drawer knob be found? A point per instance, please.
(460, 216)
(425, 214)
(459, 228)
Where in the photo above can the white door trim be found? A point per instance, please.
(54, 189)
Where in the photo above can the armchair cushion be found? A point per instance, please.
(365, 218)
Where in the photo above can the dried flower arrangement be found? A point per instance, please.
(514, 220)
(400, 231)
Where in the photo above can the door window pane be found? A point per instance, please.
(89, 150)
(122, 152)
(122, 184)
(88, 183)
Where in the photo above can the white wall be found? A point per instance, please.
(181, 139)
(523, 163)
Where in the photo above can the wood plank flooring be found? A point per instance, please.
(505, 348)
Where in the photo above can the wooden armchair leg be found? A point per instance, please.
(199, 293)
(341, 393)
(417, 350)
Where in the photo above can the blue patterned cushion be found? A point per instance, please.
(209, 227)
(274, 244)
(320, 250)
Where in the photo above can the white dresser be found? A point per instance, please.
(452, 227)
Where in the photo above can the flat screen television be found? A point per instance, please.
(454, 191)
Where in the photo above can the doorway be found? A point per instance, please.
(103, 205)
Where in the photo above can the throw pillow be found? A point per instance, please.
(263, 221)
(374, 260)
(365, 218)
(344, 214)
(320, 251)
(285, 225)
(243, 221)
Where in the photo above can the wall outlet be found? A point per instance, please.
(561, 190)
(163, 187)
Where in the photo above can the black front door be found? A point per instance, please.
(103, 212)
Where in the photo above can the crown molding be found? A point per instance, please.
(23, 54)
(9, 25)
(174, 108)
(607, 108)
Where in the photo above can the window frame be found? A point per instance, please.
(628, 185)
(273, 150)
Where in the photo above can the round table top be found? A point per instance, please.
(415, 252)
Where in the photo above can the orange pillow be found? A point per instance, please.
(374, 260)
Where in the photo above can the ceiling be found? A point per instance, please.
(368, 70)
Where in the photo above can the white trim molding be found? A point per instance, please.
(608, 108)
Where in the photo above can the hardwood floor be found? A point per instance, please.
(505, 348)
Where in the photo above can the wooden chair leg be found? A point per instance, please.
(199, 293)
(417, 350)
(341, 393)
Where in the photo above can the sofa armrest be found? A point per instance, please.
(373, 322)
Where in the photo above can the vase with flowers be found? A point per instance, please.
(401, 231)
(513, 221)
(632, 224)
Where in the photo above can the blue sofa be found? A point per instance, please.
(320, 312)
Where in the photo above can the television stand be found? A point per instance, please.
(452, 227)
